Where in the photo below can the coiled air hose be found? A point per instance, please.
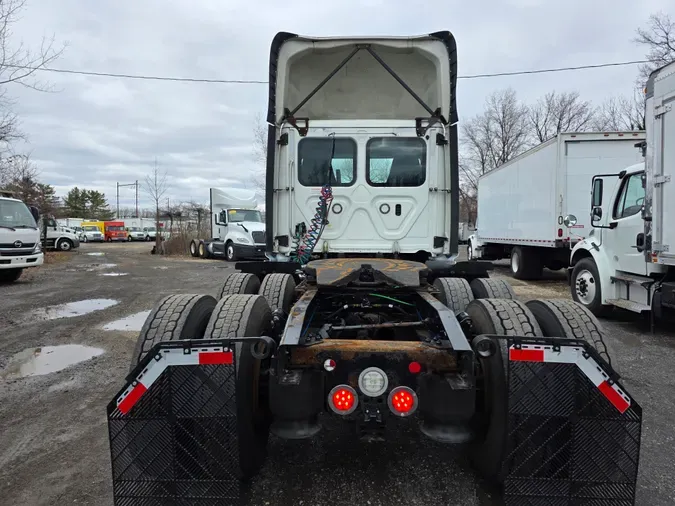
(305, 244)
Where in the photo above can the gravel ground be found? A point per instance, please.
(53, 433)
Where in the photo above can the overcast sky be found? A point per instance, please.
(96, 131)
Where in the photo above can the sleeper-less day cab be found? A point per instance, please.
(20, 246)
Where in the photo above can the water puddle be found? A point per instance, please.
(162, 267)
(133, 322)
(113, 274)
(99, 267)
(96, 254)
(79, 308)
(47, 360)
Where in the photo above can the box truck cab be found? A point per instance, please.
(20, 246)
(92, 232)
(629, 259)
(114, 231)
(362, 156)
(57, 237)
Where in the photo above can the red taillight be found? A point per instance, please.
(343, 399)
(560, 232)
(402, 401)
(414, 367)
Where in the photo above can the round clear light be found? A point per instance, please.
(373, 382)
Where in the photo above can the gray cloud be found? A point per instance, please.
(95, 131)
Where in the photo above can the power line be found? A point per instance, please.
(253, 81)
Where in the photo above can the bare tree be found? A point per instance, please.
(621, 113)
(260, 152)
(659, 37)
(560, 112)
(20, 65)
(156, 187)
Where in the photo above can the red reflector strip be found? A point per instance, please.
(517, 355)
(614, 397)
(131, 399)
(216, 358)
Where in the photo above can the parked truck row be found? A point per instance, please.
(534, 210)
(128, 229)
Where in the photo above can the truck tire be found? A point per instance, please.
(486, 288)
(10, 275)
(498, 317)
(454, 293)
(193, 249)
(239, 283)
(279, 290)
(64, 245)
(230, 253)
(586, 287)
(202, 250)
(246, 316)
(175, 317)
(565, 318)
(526, 263)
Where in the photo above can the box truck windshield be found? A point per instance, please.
(14, 214)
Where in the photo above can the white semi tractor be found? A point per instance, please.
(523, 204)
(20, 246)
(628, 259)
(237, 227)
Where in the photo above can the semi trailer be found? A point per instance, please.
(627, 260)
(362, 313)
(525, 205)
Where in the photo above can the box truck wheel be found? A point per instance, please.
(64, 245)
(565, 318)
(454, 293)
(239, 283)
(496, 317)
(485, 288)
(10, 275)
(526, 263)
(174, 317)
(279, 290)
(586, 287)
(246, 316)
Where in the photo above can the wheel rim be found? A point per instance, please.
(585, 287)
(515, 260)
(201, 250)
(65, 246)
(230, 252)
(192, 248)
(470, 253)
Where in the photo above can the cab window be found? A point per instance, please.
(631, 198)
(396, 161)
(314, 161)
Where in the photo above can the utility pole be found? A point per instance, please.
(118, 197)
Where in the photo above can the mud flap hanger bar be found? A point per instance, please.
(261, 347)
(434, 116)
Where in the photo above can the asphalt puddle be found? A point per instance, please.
(132, 323)
(96, 254)
(71, 309)
(99, 267)
(113, 274)
(47, 360)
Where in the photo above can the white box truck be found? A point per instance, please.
(237, 227)
(534, 208)
(20, 246)
(628, 260)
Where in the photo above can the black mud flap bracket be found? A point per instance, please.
(173, 427)
(573, 430)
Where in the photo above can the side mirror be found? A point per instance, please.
(36, 214)
(596, 214)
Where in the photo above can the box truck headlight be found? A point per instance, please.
(37, 249)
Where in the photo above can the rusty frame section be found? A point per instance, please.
(432, 357)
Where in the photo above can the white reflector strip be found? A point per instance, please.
(573, 355)
(167, 358)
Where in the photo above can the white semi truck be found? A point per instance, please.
(523, 204)
(237, 227)
(628, 260)
(20, 246)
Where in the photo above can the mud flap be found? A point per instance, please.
(173, 428)
(573, 430)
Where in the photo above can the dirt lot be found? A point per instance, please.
(53, 435)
